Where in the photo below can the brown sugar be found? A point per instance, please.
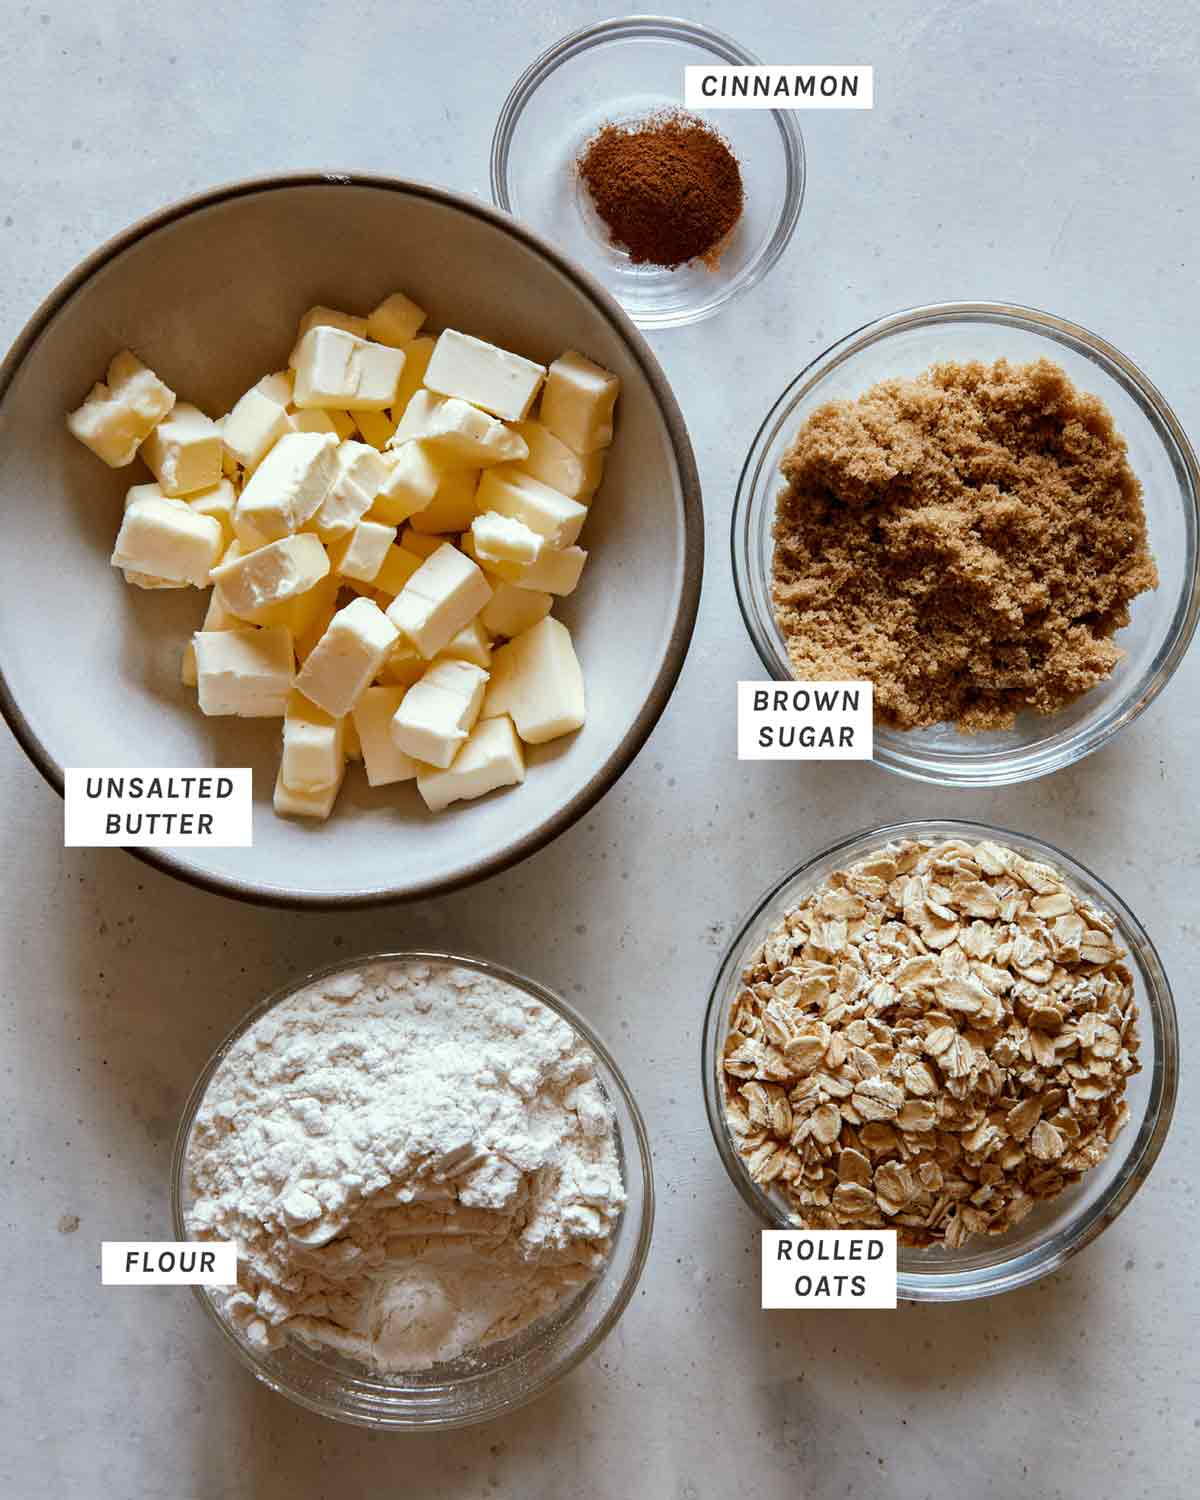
(969, 541)
(668, 188)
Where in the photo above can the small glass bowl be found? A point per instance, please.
(1162, 624)
(505, 1375)
(616, 72)
(1055, 1230)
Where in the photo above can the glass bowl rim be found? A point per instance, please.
(670, 28)
(1151, 1130)
(1056, 751)
(408, 1422)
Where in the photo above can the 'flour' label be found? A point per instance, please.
(168, 1263)
(158, 808)
(829, 1268)
(806, 721)
(780, 86)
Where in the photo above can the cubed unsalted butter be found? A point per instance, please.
(505, 539)
(512, 610)
(404, 665)
(445, 593)
(119, 413)
(219, 502)
(452, 508)
(360, 555)
(313, 746)
(417, 355)
(247, 672)
(278, 386)
(216, 617)
(385, 762)
(183, 451)
(287, 488)
(502, 383)
(542, 682)
(252, 584)
(395, 321)
(312, 419)
(376, 427)
(253, 427)
(295, 802)
(557, 571)
(398, 566)
(413, 540)
(577, 404)
(458, 432)
(492, 757)
(576, 475)
(472, 643)
(552, 515)
(326, 317)
(347, 657)
(333, 368)
(438, 712)
(358, 474)
(168, 541)
(413, 477)
(308, 615)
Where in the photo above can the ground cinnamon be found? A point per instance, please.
(668, 188)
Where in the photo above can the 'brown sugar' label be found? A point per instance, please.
(806, 721)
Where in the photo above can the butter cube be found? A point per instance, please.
(360, 555)
(350, 741)
(497, 699)
(326, 317)
(512, 610)
(398, 566)
(219, 502)
(437, 713)
(334, 368)
(544, 510)
(247, 672)
(452, 507)
(416, 361)
(216, 617)
(458, 432)
(116, 418)
(414, 541)
(555, 572)
(287, 488)
(346, 658)
(253, 427)
(376, 427)
(413, 479)
(502, 383)
(183, 452)
(395, 321)
(445, 593)
(472, 643)
(301, 803)
(313, 747)
(577, 404)
(149, 581)
(404, 665)
(504, 539)
(168, 541)
(251, 584)
(492, 757)
(312, 419)
(576, 475)
(278, 387)
(308, 615)
(358, 473)
(385, 762)
(545, 687)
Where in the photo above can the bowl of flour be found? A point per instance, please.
(438, 1182)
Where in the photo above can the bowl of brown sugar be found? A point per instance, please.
(991, 515)
(675, 212)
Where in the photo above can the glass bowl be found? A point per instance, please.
(1055, 1230)
(619, 71)
(1162, 624)
(504, 1375)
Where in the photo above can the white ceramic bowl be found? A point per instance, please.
(208, 292)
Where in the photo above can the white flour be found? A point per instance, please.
(414, 1159)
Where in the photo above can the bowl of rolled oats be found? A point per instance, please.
(950, 1030)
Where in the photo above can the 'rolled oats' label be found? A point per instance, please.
(829, 1268)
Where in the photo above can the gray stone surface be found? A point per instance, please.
(1043, 153)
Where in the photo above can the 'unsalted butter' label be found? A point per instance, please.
(168, 1263)
(829, 1268)
(780, 86)
(806, 721)
(158, 808)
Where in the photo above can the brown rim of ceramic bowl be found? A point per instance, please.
(693, 518)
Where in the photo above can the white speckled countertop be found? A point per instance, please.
(1039, 152)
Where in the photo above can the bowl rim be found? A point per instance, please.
(1055, 752)
(650, 24)
(1027, 1266)
(640, 1143)
(604, 776)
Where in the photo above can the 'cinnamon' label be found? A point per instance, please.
(780, 86)
(806, 721)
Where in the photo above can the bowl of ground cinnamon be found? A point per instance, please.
(990, 514)
(675, 212)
